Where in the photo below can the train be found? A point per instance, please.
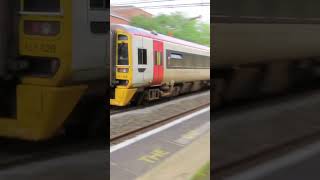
(263, 47)
(53, 60)
(147, 66)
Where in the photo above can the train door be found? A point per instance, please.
(90, 29)
(140, 54)
(158, 62)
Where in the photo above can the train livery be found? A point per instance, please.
(148, 66)
(60, 59)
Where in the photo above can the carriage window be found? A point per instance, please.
(176, 56)
(185, 60)
(142, 56)
(98, 4)
(41, 5)
(123, 54)
(99, 27)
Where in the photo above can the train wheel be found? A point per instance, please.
(139, 99)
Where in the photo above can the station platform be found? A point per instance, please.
(302, 163)
(252, 129)
(174, 151)
(82, 166)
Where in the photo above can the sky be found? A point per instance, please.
(204, 11)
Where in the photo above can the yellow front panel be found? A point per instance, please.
(44, 46)
(41, 111)
(125, 76)
(124, 94)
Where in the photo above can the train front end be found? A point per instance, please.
(44, 97)
(121, 68)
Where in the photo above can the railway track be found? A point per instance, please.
(131, 133)
(294, 114)
(118, 110)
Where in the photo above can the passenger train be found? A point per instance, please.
(264, 47)
(58, 62)
(147, 66)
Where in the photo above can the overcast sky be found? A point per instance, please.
(204, 11)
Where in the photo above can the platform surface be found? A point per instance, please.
(302, 163)
(144, 159)
(266, 126)
(84, 166)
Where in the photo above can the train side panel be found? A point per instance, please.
(143, 73)
(89, 42)
(239, 43)
(185, 74)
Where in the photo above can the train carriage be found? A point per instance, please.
(60, 60)
(148, 66)
(264, 47)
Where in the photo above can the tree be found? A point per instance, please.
(176, 25)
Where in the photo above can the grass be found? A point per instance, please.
(203, 173)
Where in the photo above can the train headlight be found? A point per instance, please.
(42, 28)
(123, 70)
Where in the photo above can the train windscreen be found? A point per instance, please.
(123, 54)
(41, 5)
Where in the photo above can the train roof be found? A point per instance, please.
(145, 33)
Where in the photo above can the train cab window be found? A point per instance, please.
(122, 37)
(123, 54)
(98, 4)
(41, 5)
(142, 56)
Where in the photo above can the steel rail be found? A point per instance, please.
(155, 124)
